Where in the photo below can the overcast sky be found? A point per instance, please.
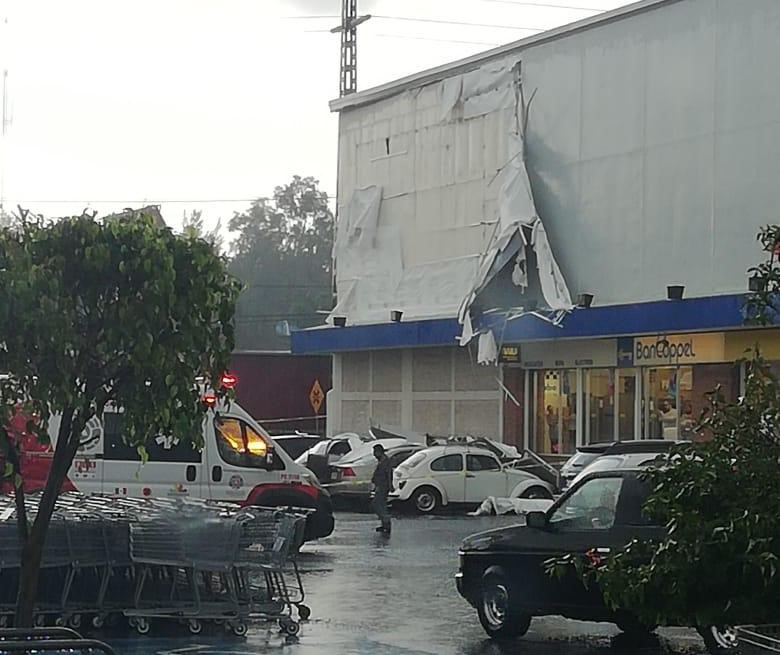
(197, 101)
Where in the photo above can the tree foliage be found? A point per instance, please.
(92, 313)
(192, 226)
(719, 560)
(763, 303)
(282, 253)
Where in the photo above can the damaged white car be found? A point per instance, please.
(460, 475)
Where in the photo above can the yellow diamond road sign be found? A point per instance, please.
(316, 396)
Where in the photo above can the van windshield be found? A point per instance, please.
(239, 443)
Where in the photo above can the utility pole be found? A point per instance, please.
(348, 28)
(5, 121)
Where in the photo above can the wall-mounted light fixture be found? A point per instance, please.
(584, 300)
(396, 315)
(339, 321)
(756, 283)
(675, 291)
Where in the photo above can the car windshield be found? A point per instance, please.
(590, 507)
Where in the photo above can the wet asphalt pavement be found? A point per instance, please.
(372, 595)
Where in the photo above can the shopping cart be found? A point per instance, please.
(758, 639)
(268, 537)
(49, 640)
(184, 560)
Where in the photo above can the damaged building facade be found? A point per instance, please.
(547, 243)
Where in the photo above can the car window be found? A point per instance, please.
(482, 463)
(295, 446)
(605, 463)
(590, 507)
(414, 460)
(580, 459)
(360, 460)
(340, 448)
(319, 448)
(447, 463)
(397, 457)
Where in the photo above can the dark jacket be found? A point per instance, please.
(383, 475)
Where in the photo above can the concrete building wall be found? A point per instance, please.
(438, 391)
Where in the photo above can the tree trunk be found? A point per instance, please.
(67, 445)
(28, 583)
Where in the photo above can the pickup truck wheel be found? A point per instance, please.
(426, 500)
(718, 640)
(498, 607)
(536, 492)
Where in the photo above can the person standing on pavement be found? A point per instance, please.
(383, 481)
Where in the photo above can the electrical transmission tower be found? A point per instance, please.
(348, 28)
(5, 118)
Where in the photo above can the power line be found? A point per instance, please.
(428, 38)
(437, 21)
(148, 201)
(288, 286)
(542, 4)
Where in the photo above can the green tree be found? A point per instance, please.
(6, 219)
(120, 312)
(719, 560)
(282, 253)
(192, 225)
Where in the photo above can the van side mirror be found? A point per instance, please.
(536, 520)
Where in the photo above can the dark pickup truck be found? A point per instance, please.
(502, 572)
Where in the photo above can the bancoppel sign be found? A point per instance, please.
(678, 349)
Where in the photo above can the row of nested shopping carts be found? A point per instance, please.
(159, 560)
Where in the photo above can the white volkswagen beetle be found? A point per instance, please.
(448, 475)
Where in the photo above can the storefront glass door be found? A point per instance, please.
(555, 420)
(626, 403)
(599, 405)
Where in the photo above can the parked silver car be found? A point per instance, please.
(350, 477)
(585, 455)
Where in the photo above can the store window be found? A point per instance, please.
(555, 423)
(661, 401)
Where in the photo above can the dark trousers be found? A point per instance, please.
(380, 507)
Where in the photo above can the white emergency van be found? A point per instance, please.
(239, 462)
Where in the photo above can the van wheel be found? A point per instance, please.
(498, 607)
(536, 492)
(425, 500)
(718, 640)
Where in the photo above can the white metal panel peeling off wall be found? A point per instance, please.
(652, 142)
(430, 208)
